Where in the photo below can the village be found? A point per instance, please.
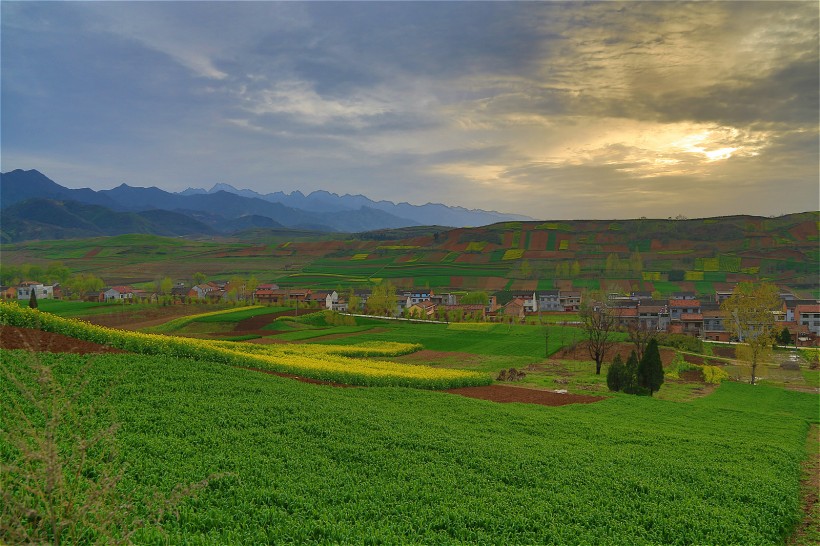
(700, 316)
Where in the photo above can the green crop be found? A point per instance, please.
(302, 463)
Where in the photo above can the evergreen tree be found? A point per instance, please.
(615, 374)
(785, 337)
(32, 301)
(650, 368)
(629, 379)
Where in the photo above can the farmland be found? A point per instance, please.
(401, 458)
(663, 256)
(305, 463)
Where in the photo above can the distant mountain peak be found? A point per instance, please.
(222, 186)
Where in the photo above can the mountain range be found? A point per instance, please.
(36, 207)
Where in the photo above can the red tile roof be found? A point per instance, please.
(684, 303)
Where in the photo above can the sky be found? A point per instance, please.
(554, 110)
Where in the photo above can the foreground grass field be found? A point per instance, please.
(307, 463)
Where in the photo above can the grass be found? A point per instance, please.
(305, 463)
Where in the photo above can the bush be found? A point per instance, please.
(681, 341)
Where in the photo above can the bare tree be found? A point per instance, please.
(600, 325)
(639, 335)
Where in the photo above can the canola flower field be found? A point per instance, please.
(343, 364)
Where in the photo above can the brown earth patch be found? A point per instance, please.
(428, 357)
(12, 337)
(624, 349)
(723, 351)
(505, 394)
(93, 252)
(692, 376)
(694, 359)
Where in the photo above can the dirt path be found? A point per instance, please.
(808, 531)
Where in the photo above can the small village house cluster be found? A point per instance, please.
(681, 313)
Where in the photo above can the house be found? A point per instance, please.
(678, 307)
(808, 317)
(402, 303)
(423, 310)
(691, 324)
(529, 300)
(653, 317)
(119, 293)
(492, 304)
(627, 317)
(93, 296)
(789, 306)
(209, 290)
(714, 328)
(514, 308)
(281, 297)
(683, 296)
(41, 291)
(419, 295)
(179, 291)
(8, 292)
(723, 295)
(444, 299)
(549, 300)
(570, 300)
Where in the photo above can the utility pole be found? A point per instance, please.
(546, 342)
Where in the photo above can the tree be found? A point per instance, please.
(57, 272)
(600, 325)
(251, 286)
(639, 335)
(32, 301)
(629, 378)
(382, 300)
(784, 337)
(164, 285)
(475, 298)
(353, 302)
(84, 282)
(199, 278)
(615, 373)
(650, 368)
(750, 311)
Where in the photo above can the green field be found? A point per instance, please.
(291, 462)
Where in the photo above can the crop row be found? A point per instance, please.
(338, 364)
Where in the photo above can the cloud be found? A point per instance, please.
(549, 109)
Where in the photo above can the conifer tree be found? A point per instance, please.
(629, 379)
(650, 368)
(32, 301)
(615, 373)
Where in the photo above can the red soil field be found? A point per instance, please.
(505, 394)
(38, 341)
(538, 240)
